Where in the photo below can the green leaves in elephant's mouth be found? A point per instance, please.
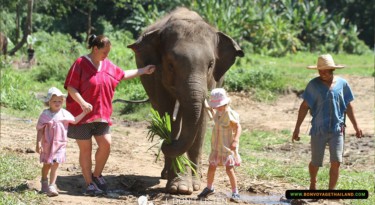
(161, 126)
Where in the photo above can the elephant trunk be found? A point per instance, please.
(191, 113)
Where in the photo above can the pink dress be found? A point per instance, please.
(54, 138)
(222, 138)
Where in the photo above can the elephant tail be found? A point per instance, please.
(131, 101)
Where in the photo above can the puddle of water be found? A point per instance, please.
(261, 199)
(117, 193)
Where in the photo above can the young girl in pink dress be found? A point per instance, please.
(224, 142)
(52, 137)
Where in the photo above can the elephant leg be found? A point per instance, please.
(167, 165)
(190, 181)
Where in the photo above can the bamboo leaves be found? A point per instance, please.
(161, 126)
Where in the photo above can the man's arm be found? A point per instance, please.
(302, 112)
(350, 113)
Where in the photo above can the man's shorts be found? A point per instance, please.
(335, 142)
(86, 131)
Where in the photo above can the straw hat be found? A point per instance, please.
(218, 98)
(53, 91)
(325, 62)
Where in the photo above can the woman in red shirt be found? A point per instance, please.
(91, 84)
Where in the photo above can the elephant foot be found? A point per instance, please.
(196, 184)
(180, 185)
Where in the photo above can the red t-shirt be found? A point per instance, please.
(96, 87)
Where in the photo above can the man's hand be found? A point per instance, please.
(295, 136)
(358, 133)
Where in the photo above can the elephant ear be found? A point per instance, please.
(228, 50)
(146, 49)
(147, 52)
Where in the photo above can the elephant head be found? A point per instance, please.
(191, 57)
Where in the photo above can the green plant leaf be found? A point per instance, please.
(161, 126)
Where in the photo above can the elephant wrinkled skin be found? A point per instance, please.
(191, 58)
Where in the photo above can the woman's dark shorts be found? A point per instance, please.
(86, 131)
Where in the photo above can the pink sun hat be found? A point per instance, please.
(218, 98)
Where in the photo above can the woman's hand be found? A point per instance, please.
(86, 107)
(149, 69)
(129, 74)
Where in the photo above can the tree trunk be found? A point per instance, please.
(28, 28)
(88, 32)
(17, 24)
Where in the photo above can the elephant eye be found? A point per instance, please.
(210, 65)
(170, 68)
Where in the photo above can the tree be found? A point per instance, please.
(28, 28)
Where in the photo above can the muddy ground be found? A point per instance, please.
(131, 171)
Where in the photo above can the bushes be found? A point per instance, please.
(55, 55)
(265, 85)
(272, 27)
(16, 91)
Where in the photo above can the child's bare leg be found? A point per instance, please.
(45, 169)
(210, 176)
(53, 174)
(232, 178)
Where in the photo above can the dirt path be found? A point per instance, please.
(131, 171)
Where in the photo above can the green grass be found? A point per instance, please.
(15, 170)
(258, 139)
(17, 91)
(362, 65)
(266, 77)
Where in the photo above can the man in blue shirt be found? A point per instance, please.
(328, 98)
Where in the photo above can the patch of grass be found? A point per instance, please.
(14, 171)
(294, 64)
(258, 140)
(267, 77)
(17, 91)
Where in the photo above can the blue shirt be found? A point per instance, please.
(327, 106)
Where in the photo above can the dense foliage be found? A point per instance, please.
(268, 27)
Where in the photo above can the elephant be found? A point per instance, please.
(191, 58)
